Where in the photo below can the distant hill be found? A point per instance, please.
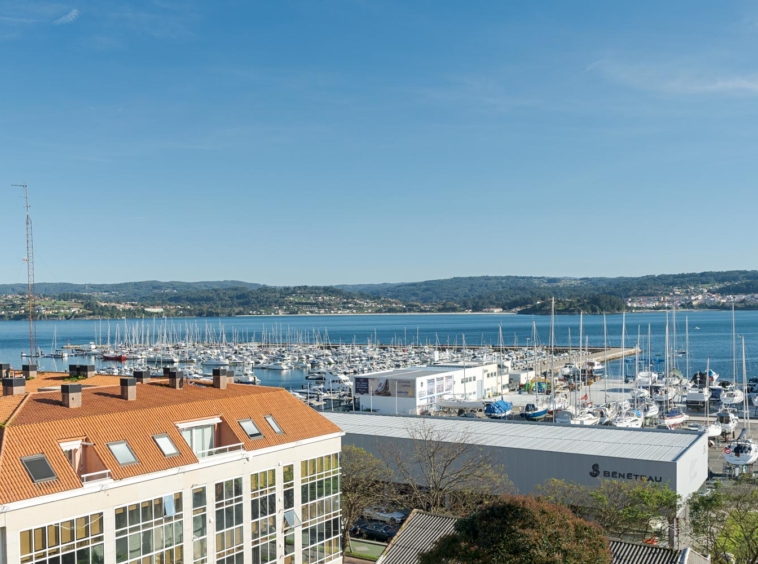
(515, 291)
(126, 291)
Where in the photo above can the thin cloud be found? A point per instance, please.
(679, 80)
(72, 16)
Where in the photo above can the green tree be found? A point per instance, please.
(725, 521)
(364, 482)
(625, 509)
(444, 471)
(521, 530)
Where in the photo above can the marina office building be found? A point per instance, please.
(412, 391)
(166, 472)
(532, 453)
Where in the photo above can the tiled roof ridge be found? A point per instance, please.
(13, 415)
(133, 406)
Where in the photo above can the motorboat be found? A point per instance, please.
(499, 409)
(569, 370)
(640, 393)
(697, 396)
(246, 378)
(713, 429)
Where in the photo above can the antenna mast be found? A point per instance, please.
(30, 296)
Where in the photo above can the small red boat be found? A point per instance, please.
(116, 357)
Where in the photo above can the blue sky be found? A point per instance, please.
(324, 142)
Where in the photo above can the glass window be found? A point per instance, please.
(54, 543)
(122, 453)
(154, 534)
(39, 468)
(250, 429)
(320, 510)
(274, 425)
(167, 446)
(229, 540)
(200, 439)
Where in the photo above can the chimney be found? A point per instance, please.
(87, 370)
(128, 389)
(5, 370)
(176, 379)
(14, 386)
(72, 395)
(219, 378)
(142, 376)
(168, 370)
(73, 370)
(29, 371)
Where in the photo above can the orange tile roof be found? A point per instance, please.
(50, 379)
(41, 423)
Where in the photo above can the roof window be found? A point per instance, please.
(167, 446)
(122, 453)
(274, 425)
(250, 429)
(39, 468)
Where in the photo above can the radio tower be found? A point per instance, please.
(30, 297)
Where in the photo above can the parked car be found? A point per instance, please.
(381, 514)
(377, 531)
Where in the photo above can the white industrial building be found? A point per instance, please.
(413, 391)
(532, 453)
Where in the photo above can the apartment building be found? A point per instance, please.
(165, 472)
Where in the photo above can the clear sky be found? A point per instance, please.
(325, 141)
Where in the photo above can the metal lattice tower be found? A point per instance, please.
(30, 295)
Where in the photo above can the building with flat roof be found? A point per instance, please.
(165, 472)
(416, 390)
(532, 453)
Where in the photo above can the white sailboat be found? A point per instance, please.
(744, 450)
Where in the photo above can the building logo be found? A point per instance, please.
(596, 472)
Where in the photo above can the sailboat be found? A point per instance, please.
(744, 450)
(713, 429)
(55, 352)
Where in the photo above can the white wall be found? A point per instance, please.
(107, 496)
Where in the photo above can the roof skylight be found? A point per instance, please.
(39, 468)
(249, 427)
(122, 453)
(167, 446)
(274, 425)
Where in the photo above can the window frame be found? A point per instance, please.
(126, 443)
(40, 456)
(274, 424)
(173, 444)
(249, 436)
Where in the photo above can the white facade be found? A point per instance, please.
(413, 391)
(313, 538)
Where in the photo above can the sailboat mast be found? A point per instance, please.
(744, 388)
(29, 259)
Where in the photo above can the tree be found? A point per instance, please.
(521, 530)
(364, 479)
(444, 471)
(725, 521)
(625, 509)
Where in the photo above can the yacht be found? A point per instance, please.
(583, 417)
(728, 420)
(629, 419)
(744, 450)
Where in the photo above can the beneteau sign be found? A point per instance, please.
(596, 473)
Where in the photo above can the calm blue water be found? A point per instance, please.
(710, 333)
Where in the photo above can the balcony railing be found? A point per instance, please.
(219, 450)
(95, 476)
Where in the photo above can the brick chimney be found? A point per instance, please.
(14, 386)
(72, 395)
(219, 378)
(176, 379)
(128, 389)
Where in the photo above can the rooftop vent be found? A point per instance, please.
(142, 376)
(72, 395)
(128, 389)
(176, 379)
(14, 386)
(83, 370)
(29, 371)
(219, 378)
